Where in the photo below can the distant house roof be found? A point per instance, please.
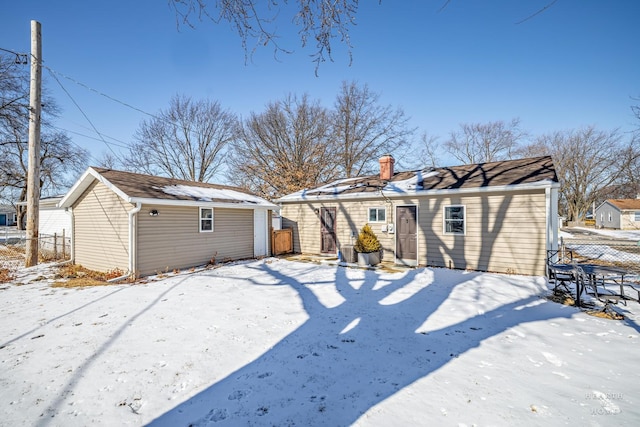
(47, 202)
(148, 189)
(531, 172)
(625, 204)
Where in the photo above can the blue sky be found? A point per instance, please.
(573, 65)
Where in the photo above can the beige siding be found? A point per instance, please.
(350, 217)
(172, 239)
(627, 219)
(101, 230)
(505, 232)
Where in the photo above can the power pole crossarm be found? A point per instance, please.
(33, 175)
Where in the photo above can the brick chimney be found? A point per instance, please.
(386, 167)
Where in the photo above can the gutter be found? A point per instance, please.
(132, 246)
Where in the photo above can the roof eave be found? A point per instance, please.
(202, 203)
(87, 178)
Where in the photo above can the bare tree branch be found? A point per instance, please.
(536, 13)
(187, 141)
(321, 21)
(285, 149)
(485, 142)
(364, 130)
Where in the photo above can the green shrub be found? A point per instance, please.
(367, 241)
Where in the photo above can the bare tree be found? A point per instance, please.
(58, 156)
(186, 141)
(258, 22)
(284, 149)
(627, 186)
(364, 130)
(429, 150)
(484, 142)
(587, 161)
(109, 160)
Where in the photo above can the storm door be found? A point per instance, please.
(406, 235)
(328, 230)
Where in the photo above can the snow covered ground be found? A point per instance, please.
(277, 342)
(615, 234)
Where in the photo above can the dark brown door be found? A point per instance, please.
(406, 235)
(328, 230)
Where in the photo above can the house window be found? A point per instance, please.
(636, 216)
(206, 220)
(454, 220)
(377, 215)
(609, 216)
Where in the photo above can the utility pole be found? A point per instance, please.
(33, 175)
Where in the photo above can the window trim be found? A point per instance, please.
(377, 208)
(201, 218)
(464, 220)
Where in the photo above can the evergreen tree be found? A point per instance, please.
(367, 241)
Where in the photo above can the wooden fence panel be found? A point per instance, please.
(282, 241)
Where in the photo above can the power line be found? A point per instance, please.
(83, 113)
(160, 118)
(121, 144)
(53, 72)
(21, 58)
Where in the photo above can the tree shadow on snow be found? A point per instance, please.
(343, 360)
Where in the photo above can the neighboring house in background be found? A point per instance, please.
(7, 216)
(621, 214)
(500, 216)
(52, 220)
(143, 224)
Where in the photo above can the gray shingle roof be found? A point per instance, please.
(135, 187)
(493, 174)
(142, 186)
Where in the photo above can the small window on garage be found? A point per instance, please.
(377, 214)
(636, 216)
(610, 217)
(206, 220)
(454, 219)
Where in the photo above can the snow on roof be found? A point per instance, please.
(330, 188)
(532, 172)
(412, 184)
(213, 194)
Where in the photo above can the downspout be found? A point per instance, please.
(132, 246)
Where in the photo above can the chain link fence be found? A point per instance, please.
(13, 245)
(618, 253)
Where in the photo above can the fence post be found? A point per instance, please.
(64, 245)
(55, 246)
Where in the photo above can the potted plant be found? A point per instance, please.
(368, 247)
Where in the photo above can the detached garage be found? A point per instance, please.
(142, 224)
